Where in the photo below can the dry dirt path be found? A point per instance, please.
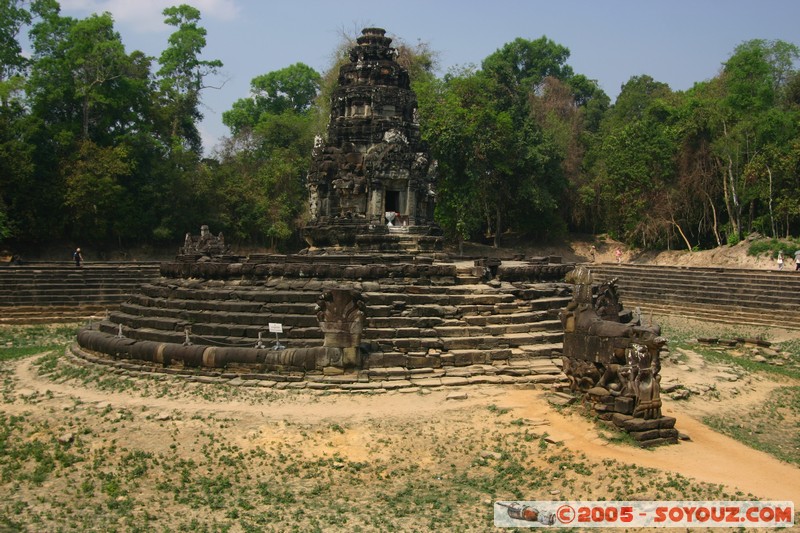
(709, 456)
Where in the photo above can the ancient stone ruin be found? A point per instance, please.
(613, 360)
(204, 245)
(373, 302)
(371, 183)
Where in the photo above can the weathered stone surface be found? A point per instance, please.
(623, 404)
(619, 419)
(666, 422)
(426, 382)
(597, 391)
(634, 425)
(561, 400)
(645, 435)
(371, 176)
(657, 442)
(370, 385)
(611, 357)
(485, 379)
(453, 381)
(396, 384)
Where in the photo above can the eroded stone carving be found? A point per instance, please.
(205, 244)
(341, 314)
(373, 161)
(614, 360)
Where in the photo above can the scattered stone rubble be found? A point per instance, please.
(755, 349)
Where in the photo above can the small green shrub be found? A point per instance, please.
(773, 246)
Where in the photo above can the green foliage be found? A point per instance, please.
(94, 192)
(100, 143)
(773, 246)
(22, 341)
(181, 68)
(509, 140)
(522, 64)
(182, 75)
(13, 16)
(262, 172)
(754, 428)
(293, 88)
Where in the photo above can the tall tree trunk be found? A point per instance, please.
(729, 193)
(497, 226)
(85, 123)
(680, 230)
(714, 216)
(771, 217)
(736, 212)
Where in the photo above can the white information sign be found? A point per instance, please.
(275, 327)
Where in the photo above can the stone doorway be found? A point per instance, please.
(393, 201)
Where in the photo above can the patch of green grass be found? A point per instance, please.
(17, 342)
(497, 410)
(773, 246)
(773, 427)
(722, 356)
(619, 437)
(682, 335)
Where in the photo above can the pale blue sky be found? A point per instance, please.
(678, 42)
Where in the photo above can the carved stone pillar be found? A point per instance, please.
(342, 316)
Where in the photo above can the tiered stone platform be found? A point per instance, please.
(55, 291)
(726, 295)
(425, 319)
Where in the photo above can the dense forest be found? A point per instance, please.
(100, 145)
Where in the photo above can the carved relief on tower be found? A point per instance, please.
(373, 160)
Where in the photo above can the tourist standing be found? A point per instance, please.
(618, 254)
(780, 260)
(593, 253)
(76, 255)
(797, 260)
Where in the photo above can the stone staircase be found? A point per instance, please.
(57, 291)
(409, 325)
(733, 296)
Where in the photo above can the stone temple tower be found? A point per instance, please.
(371, 186)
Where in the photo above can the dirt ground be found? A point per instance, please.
(708, 456)
(578, 249)
(392, 446)
(86, 449)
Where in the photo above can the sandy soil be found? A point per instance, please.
(708, 456)
(578, 249)
(395, 431)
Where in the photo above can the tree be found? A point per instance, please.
(561, 115)
(93, 190)
(519, 66)
(13, 64)
(183, 75)
(293, 88)
(97, 59)
(633, 164)
(751, 81)
(449, 126)
(15, 166)
(488, 166)
(267, 157)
